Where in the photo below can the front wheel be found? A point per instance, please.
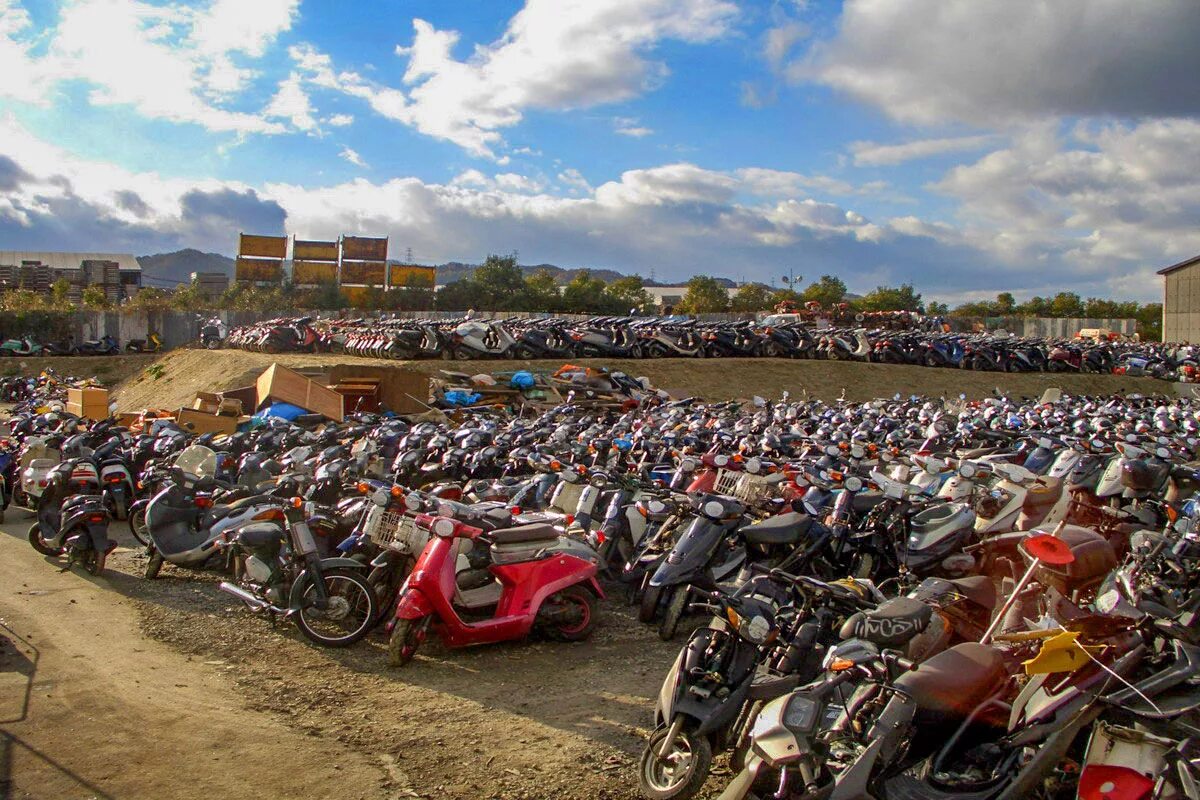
(678, 773)
(648, 608)
(406, 638)
(39, 543)
(154, 565)
(675, 608)
(348, 616)
(139, 528)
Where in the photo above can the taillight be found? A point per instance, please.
(203, 502)
(1108, 782)
(114, 478)
(43, 483)
(600, 537)
(95, 518)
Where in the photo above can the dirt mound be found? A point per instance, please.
(173, 380)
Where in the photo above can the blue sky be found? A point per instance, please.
(967, 146)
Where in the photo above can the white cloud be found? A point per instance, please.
(165, 61)
(573, 179)
(628, 126)
(872, 154)
(291, 102)
(990, 61)
(340, 120)
(554, 54)
(352, 156)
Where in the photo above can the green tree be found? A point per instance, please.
(542, 292)
(629, 293)
(751, 297)
(1149, 319)
(586, 295)
(1066, 304)
(935, 309)
(785, 296)
(59, 290)
(94, 297)
(502, 284)
(460, 295)
(827, 291)
(888, 298)
(1035, 307)
(704, 295)
(1005, 303)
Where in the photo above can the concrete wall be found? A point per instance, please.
(1043, 327)
(1181, 305)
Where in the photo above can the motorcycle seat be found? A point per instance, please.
(979, 589)
(536, 532)
(220, 512)
(890, 625)
(260, 534)
(865, 501)
(954, 681)
(781, 529)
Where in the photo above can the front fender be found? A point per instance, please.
(341, 563)
(413, 604)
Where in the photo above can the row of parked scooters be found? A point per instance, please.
(682, 337)
(902, 598)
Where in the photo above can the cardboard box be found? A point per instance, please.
(207, 402)
(361, 394)
(280, 384)
(230, 407)
(246, 395)
(402, 391)
(198, 422)
(88, 403)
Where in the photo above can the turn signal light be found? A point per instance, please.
(840, 665)
(363, 487)
(296, 502)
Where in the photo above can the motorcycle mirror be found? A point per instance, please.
(967, 469)
(714, 509)
(1097, 444)
(856, 451)
(832, 450)
(1163, 453)
(721, 460)
(753, 465)
(853, 484)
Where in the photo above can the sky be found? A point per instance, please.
(966, 146)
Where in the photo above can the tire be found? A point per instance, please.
(93, 562)
(406, 638)
(462, 354)
(676, 606)
(525, 353)
(39, 544)
(577, 630)
(354, 593)
(137, 526)
(692, 759)
(931, 360)
(648, 609)
(213, 344)
(153, 566)
(833, 354)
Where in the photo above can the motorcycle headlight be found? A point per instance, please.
(800, 714)
(756, 629)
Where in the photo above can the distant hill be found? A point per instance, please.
(163, 269)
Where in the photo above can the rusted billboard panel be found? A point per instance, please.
(362, 248)
(412, 275)
(263, 246)
(306, 250)
(364, 272)
(259, 269)
(314, 272)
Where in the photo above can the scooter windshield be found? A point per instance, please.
(197, 462)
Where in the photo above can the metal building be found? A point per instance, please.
(1181, 301)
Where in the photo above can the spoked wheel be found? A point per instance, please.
(573, 613)
(138, 527)
(39, 543)
(407, 636)
(680, 772)
(347, 618)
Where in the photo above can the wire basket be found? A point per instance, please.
(393, 530)
(745, 486)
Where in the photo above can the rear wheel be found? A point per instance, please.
(678, 773)
(139, 528)
(574, 610)
(39, 543)
(406, 638)
(349, 615)
(154, 565)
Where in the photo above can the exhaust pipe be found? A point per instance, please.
(255, 603)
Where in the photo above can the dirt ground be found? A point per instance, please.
(120, 687)
(177, 377)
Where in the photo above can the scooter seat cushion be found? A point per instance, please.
(781, 529)
(865, 501)
(979, 589)
(890, 625)
(220, 512)
(524, 533)
(954, 681)
(260, 535)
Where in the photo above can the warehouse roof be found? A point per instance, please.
(66, 260)
(1174, 267)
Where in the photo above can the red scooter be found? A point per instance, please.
(517, 578)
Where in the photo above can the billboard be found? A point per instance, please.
(412, 275)
(259, 269)
(314, 272)
(361, 248)
(364, 272)
(304, 250)
(263, 246)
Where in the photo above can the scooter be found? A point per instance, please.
(104, 346)
(537, 578)
(479, 339)
(25, 346)
(71, 516)
(212, 333)
(151, 344)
